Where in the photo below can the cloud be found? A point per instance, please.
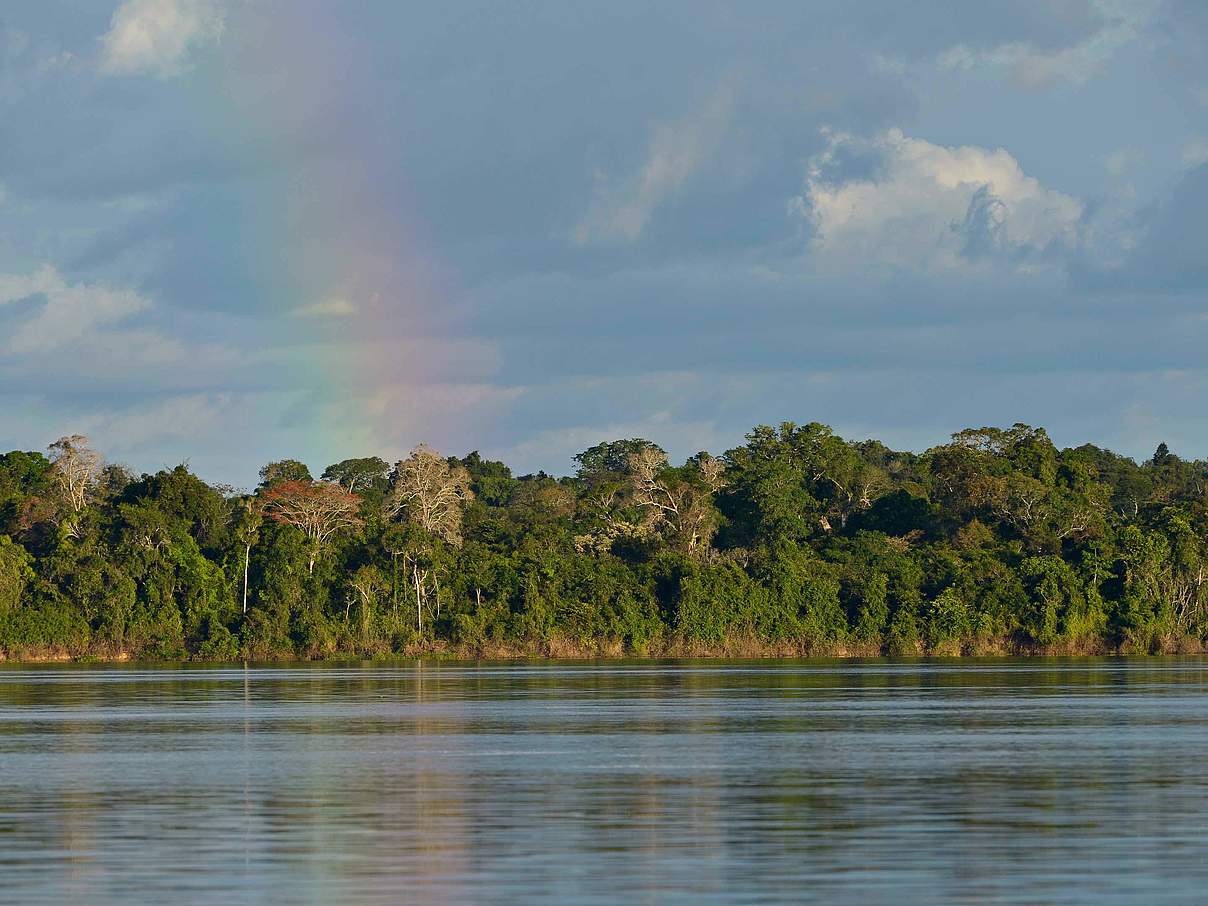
(1037, 67)
(155, 37)
(676, 152)
(917, 205)
(67, 313)
(1194, 154)
(1122, 160)
(1169, 252)
(175, 418)
(335, 307)
(921, 298)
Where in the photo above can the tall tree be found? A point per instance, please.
(248, 516)
(678, 500)
(283, 470)
(319, 509)
(430, 492)
(75, 467)
(358, 475)
(611, 458)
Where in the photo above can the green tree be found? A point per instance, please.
(281, 471)
(16, 572)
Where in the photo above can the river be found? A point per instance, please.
(987, 781)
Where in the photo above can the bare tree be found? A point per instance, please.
(648, 492)
(430, 492)
(685, 507)
(318, 508)
(712, 471)
(76, 468)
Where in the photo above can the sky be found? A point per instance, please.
(234, 231)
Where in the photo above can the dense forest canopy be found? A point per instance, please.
(796, 542)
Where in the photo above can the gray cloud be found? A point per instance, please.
(1171, 253)
(531, 225)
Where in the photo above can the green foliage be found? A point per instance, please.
(16, 572)
(948, 617)
(610, 458)
(717, 602)
(23, 477)
(1059, 609)
(283, 470)
(796, 540)
(490, 481)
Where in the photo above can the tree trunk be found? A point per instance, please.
(394, 586)
(247, 557)
(419, 605)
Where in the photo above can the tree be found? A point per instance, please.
(611, 458)
(430, 492)
(114, 479)
(15, 572)
(491, 481)
(23, 477)
(75, 467)
(365, 587)
(283, 470)
(319, 509)
(768, 499)
(680, 500)
(248, 517)
(797, 539)
(358, 475)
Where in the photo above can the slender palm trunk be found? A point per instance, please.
(394, 586)
(247, 557)
(419, 602)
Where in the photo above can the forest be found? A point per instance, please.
(798, 542)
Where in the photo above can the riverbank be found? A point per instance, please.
(606, 649)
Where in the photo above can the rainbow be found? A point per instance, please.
(352, 278)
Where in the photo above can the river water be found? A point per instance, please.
(996, 781)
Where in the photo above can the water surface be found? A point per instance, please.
(1004, 781)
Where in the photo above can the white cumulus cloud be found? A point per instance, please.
(155, 37)
(927, 206)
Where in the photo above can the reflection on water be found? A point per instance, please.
(841, 782)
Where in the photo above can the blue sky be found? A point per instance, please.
(239, 230)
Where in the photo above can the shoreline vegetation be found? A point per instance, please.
(615, 650)
(797, 543)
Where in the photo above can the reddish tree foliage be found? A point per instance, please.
(318, 508)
